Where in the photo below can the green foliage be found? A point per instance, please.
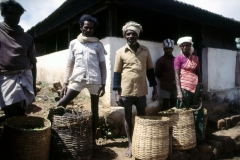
(238, 40)
(238, 43)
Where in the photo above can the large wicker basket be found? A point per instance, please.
(151, 138)
(72, 137)
(26, 138)
(183, 129)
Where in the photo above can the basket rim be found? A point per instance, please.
(183, 112)
(157, 118)
(48, 126)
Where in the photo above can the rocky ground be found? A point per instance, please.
(222, 134)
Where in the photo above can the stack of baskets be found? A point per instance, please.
(151, 137)
(72, 136)
(26, 137)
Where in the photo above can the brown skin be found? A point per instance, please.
(168, 51)
(186, 48)
(12, 16)
(132, 37)
(87, 29)
(69, 94)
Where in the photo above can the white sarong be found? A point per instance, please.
(15, 88)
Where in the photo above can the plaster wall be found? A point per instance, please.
(221, 65)
(51, 67)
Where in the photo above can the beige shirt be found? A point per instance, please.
(132, 67)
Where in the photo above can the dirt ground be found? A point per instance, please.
(108, 149)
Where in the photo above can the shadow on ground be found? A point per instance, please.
(103, 153)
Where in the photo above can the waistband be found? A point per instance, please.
(7, 72)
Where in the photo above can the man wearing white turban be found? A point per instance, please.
(133, 63)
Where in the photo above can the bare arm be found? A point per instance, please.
(177, 79)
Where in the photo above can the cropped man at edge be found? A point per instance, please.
(17, 62)
(133, 63)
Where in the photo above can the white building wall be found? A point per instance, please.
(51, 67)
(221, 69)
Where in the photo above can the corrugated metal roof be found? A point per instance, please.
(71, 8)
(204, 10)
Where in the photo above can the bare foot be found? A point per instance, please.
(129, 152)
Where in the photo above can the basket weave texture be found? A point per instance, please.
(26, 144)
(72, 137)
(151, 137)
(183, 129)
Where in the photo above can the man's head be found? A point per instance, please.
(168, 46)
(131, 31)
(185, 43)
(11, 12)
(88, 24)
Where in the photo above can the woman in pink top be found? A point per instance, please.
(187, 77)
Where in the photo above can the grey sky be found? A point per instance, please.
(226, 8)
(38, 10)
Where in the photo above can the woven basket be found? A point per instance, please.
(151, 137)
(183, 129)
(26, 144)
(72, 137)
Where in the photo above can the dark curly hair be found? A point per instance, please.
(5, 4)
(87, 17)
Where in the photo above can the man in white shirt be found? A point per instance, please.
(86, 68)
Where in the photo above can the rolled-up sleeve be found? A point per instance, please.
(118, 66)
(71, 56)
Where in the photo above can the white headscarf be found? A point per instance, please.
(168, 43)
(183, 40)
(186, 40)
(132, 26)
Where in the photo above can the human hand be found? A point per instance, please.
(118, 98)
(180, 96)
(101, 91)
(64, 90)
(154, 93)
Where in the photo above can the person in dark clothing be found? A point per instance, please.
(164, 71)
(17, 62)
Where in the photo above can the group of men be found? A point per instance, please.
(86, 68)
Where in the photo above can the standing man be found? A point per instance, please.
(164, 71)
(17, 62)
(132, 64)
(86, 68)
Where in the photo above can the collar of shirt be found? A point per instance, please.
(127, 48)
